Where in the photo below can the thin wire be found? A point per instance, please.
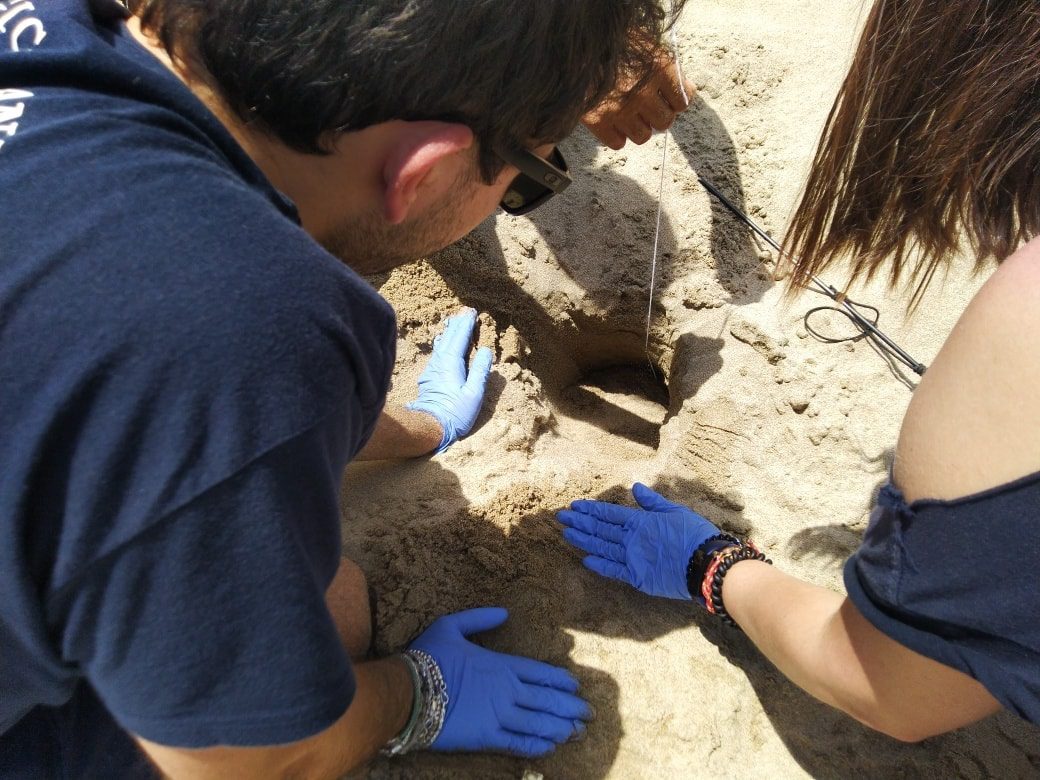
(859, 336)
(678, 65)
(653, 258)
(876, 335)
(660, 199)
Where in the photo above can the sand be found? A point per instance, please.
(744, 416)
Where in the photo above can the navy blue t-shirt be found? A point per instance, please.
(184, 373)
(956, 581)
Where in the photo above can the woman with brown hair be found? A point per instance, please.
(933, 144)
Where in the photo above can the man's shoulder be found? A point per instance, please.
(146, 232)
(176, 321)
(175, 344)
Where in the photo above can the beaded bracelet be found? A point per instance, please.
(711, 588)
(710, 563)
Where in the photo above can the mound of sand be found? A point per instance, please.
(734, 410)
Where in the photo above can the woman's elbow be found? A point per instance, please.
(903, 730)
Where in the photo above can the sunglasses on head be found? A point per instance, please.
(539, 179)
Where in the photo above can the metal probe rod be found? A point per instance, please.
(915, 366)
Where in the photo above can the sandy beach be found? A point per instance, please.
(728, 405)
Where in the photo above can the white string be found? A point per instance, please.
(678, 65)
(653, 258)
(660, 199)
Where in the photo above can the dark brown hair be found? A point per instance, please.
(515, 72)
(934, 138)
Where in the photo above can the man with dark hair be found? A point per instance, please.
(188, 359)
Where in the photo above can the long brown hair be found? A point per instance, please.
(934, 138)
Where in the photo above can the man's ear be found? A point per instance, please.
(419, 149)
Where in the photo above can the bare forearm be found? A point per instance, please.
(378, 713)
(402, 433)
(822, 643)
(790, 622)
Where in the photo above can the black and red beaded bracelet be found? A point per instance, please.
(746, 552)
(709, 565)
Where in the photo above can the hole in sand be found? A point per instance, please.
(623, 400)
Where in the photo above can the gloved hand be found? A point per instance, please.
(496, 701)
(648, 548)
(445, 390)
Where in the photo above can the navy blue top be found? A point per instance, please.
(184, 373)
(957, 582)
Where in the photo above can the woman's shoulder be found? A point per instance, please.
(974, 421)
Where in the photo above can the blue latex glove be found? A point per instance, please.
(496, 701)
(445, 390)
(648, 548)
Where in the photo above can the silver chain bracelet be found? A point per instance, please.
(429, 706)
